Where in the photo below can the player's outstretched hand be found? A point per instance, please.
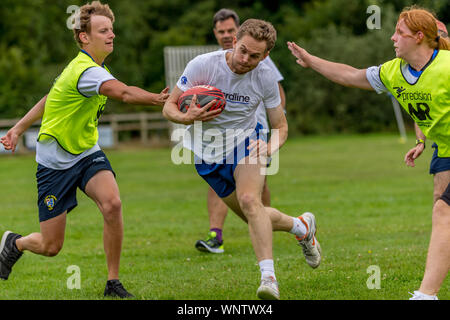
(9, 141)
(413, 154)
(201, 114)
(162, 97)
(300, 53)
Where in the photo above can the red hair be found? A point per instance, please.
(419, 19)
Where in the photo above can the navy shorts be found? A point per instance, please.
(446, 195)
(438, 164)
(57, 189)
(220, 176)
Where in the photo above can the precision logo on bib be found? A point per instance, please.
(412, 96)
(399, 91)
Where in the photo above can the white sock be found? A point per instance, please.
(267, 268)
(299, 229)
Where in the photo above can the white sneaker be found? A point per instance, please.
(417, 295)
(268, 289)
(310, 245)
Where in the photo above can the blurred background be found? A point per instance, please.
(35, 45)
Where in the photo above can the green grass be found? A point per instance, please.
(370, 208)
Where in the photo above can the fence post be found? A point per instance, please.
(144, 127)
(115, 129)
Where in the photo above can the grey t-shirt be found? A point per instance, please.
(48, 152)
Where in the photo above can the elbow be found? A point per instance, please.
(127, 94)
(126, 97)
(166, 113)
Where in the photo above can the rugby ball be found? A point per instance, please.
(205, 94)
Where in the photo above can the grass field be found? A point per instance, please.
(370, 208)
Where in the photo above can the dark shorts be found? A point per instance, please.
(57, 189)
(438, 164)
(220, 176)
(446, 195)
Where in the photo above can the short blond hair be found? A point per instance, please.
(259, 30)
(95, 8)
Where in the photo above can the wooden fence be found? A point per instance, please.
(146, 123)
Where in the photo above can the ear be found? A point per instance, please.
(84, 37)
(266, 54)
(420, 37)
(234, 42)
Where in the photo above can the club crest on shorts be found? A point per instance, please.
(50, 202)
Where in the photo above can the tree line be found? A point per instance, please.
(35, 45)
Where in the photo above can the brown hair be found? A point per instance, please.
(95, 8)
(420, 19)
(259, 30)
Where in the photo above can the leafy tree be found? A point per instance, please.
(35, 46)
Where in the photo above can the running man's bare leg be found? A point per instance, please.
(103, 189)
(265, 194)
(217, 210)
(49, 241)
(440, 180)
(438, 258)
(246, 203)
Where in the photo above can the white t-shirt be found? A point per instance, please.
(48, 152)
(243, 92)
(261, 115)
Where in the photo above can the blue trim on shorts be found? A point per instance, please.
(57, 189)
(220, 176)
(438, 164)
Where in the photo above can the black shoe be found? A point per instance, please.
(211, 244)
(9, 254)
(115, 289)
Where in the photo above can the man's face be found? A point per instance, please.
(101, 37)
(404, 39)
(225, 31)
(247, 54)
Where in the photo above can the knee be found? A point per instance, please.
(112, 208)
(441, 213)
(249, 203)
(51, 250)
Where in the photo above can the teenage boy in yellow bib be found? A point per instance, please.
(420, 80)
(67, 151)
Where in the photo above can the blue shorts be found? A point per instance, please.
(57, 188)
(220, 176)
(438, 164)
